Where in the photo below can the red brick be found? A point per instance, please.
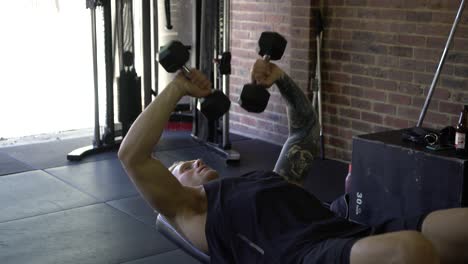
(387, 61)
(362, 81)
(399, 99)
(408, 112)
(339, 99)
(337, 142)
(352, 90)
(375, 95)
(401, 51)
(418, 102)
(405, 76)
(330, 130)
(363, 59)
(396, 122)
(412, 65)
(340, 56)
(384, 108)
(412, 40)
(450, 108)
(361, 104)
(361, 126)
(342, 122)
(410, 89)
(341, 78)
(439, 93)
(436, 118)
(378, 61)
(418, 16)
(372, 118)
(351, 113)
(330, 109)
(387, 85)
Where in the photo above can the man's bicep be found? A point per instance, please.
(159, 187)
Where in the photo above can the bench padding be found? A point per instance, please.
(170, 233)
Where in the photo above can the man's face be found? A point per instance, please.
(194, 173)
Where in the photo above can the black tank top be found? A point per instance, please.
(261, 218)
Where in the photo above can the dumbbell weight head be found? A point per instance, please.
(214, 105)
(254, 98)
(173, 56)
(272, 45)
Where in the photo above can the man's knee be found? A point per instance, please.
(413, 247)
(399, 247)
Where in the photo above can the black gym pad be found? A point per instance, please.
(92, 234)
(171, 140)
(53, 154)
(175, 140)
(90, 211)
(34, 193)
(250, 152)
(172, 257)
(105, 180)
(9, 165)
(138, 208)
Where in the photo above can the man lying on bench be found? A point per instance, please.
(266, 217)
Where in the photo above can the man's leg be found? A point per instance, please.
(448, 231)
(396, 247)
(302, 145)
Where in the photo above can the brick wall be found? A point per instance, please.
(379, 58)
(292, 19)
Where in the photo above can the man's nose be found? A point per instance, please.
(198, 163)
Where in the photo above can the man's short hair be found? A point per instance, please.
(174, 165)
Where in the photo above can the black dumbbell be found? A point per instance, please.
(254, 98)
(173, 57)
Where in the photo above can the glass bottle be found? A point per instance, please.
(461, 132)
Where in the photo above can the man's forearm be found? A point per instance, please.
(300, 110)
(146, 131)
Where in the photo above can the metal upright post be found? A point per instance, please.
(226, 48)
(231, 155)
(146, 36)
(97, 135)
(99, 145)
(441, 63)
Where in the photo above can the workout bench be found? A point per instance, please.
(170, 233)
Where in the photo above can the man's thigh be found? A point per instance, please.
(394, 247)
(331, 251)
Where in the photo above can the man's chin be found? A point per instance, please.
(211, 175)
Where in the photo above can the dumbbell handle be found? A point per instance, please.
(186, 69)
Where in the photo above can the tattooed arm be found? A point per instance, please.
(298, 151)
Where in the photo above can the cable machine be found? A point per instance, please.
(209, 43)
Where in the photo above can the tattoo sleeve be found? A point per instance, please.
(296, 157)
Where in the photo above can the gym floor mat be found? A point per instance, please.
(250, 151)
(171, 140)
(172, 257)
(9, 165)
(138, 208)
(105, 180)
(90, 211)
(36, 192)
(54, 153)
(92, 234)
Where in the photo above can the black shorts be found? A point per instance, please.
(338, 250)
